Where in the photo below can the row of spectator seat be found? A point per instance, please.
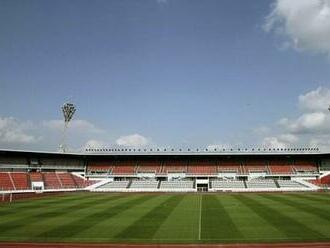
(204, 168)
(255, 184)
(215, 184)
(52, 180)
(148, 184)
(323, 181)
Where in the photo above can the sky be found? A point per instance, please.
(165, 73)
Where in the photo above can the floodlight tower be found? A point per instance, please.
(68, 109)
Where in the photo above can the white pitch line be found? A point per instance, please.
(200, 217)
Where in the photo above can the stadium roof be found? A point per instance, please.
(178, 151)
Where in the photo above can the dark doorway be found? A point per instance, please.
(202, 187)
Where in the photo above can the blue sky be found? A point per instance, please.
(178, 73)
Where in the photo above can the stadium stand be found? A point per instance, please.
(289, 184)
(224, 184)
(305, 168)
(325, 180)
(174, 166)
(201, 167)
(21, 180)
(100, 168)
(177, 185)
(280, 167)
(161, 173)
(115, 185)
(81, 182)
(66, 180)
(51, 180)
(6, 182)
(144, 184)
(255, 166)
(230, 166)
(261, 183)
(149, 166)
(127, 167)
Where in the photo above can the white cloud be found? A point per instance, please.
(261, 130)
(304, 23)
(322, 142)
(311, 128)
(281, 141)
(315, 100)
(288, 138)
(13, 131)
(309, 123)
(273, 142)
(284, 121)
(76, 125)
(133, 140)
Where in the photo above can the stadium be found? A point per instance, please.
(164, 123)
(154, 196)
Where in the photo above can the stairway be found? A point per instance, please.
(129, 184)
(276, 183)
(245, 185)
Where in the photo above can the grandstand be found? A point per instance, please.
(163, 171)
(94, 197)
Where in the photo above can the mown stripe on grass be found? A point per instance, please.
(183, 222)
(146, 226)
(44, 199)
(36, 216)
(216, 222)
(297, 205)
(36, 209)
(252, 226)
(75, 227)
(293, 229)
(32, 204)
(313, 198)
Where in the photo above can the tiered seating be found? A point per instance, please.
(5, 181)
(115, 185)
(218, 184)
(280, 167)
(149, 166)
(66, 180)
(175, 166)
(127, 168)
(255, 166)
(105, 168)
(315, 181)
(144, 184)
(20, 180)
(260, 183)
(305, 167)
(177, 185)
(51, 180)
(202, 167)
(35, 177)
(289, 184)
(325, 180)
(230, 166)
(80, 182)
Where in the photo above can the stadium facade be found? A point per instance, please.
(165, 170)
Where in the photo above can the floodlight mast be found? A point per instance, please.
(68, 110)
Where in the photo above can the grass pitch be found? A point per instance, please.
(168, 218)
